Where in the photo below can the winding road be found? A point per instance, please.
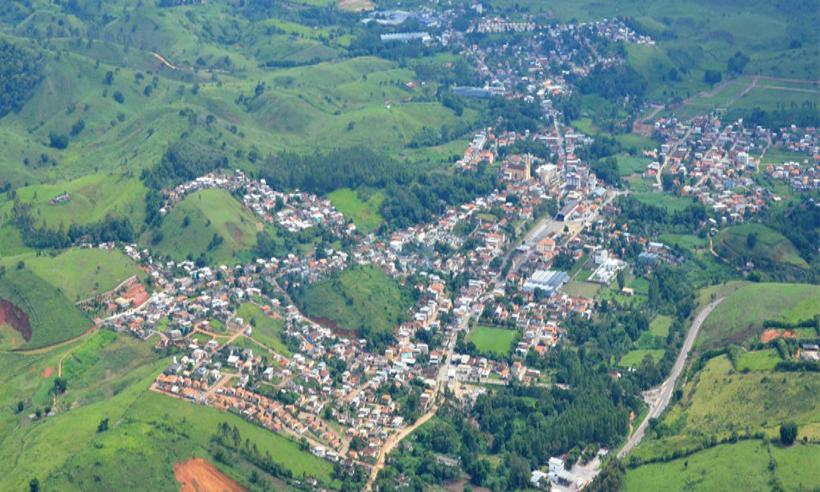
(659, 397)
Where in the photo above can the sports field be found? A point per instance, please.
(498, 341)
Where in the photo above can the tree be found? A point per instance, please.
(34, 485)
(621, 280)
(788, 433)
(103, 425)
(712, 77)
(751, 240)
(57, 140)
(20, 406)
(119, 97)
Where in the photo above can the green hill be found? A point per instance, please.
(362, 299)
(190, 228)
(50, 317)
(739, 318)
(768, 248)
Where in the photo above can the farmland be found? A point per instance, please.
(740, 317)
(190, 228)
(498, 341)
(362, 299)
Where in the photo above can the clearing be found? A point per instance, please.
(497, 341)
(199, 475)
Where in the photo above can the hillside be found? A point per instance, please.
(190, 228)
(37, 310)
(767, 248)
(362, 299)
(739, 318)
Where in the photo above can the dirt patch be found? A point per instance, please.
(136, 293)
(199, 475)
(47, 372)
(770, 334)
(16, 317)
(356, 5)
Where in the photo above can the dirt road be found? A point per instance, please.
(391, 443)
(659, 397)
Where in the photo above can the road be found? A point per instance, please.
(658, 398)
(393, 440)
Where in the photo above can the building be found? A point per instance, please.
(546, 280)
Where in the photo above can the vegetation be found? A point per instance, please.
(497, 341)
(740, 317)
(208, 226)
(361, 299)
(363, 210)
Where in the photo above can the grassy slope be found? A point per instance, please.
(267, 330)
(357, 297)
(740, 317)
(53, 317)
(80, 272)
(771, 246)
(108, 376)
(496, 340)
(210, 212)
(364, 214)
(742, 466)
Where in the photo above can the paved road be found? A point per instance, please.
(659, 397)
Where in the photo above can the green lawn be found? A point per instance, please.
(364, 213)
(628, 164)
(361, 298)
(771, 247)
(209, 213)
(740, 316)
(497, 341)
(266, 330)
(685, 241)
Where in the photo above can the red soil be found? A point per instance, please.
(771, 334)
(198, 475)
(16, 317)
(136, 293)
(47, 372)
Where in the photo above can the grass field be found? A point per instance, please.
(52, 317)
(628, 164)
(578, 288)
(685, 241)
(91, 198)
(80, 272)
(633, 358)
(497, 341)
(364, 213)
(659, 326)
(741, 467)
(758, 360)
(778, 155)
(771, 246)
(358, 298)
(758, 399)
(740, 316)
(671, 203)
(266, 330)
(209, 213)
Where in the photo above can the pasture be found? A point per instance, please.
(188, 231)
(740, 316)
(267, 330)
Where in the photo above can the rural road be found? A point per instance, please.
(659, 397)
